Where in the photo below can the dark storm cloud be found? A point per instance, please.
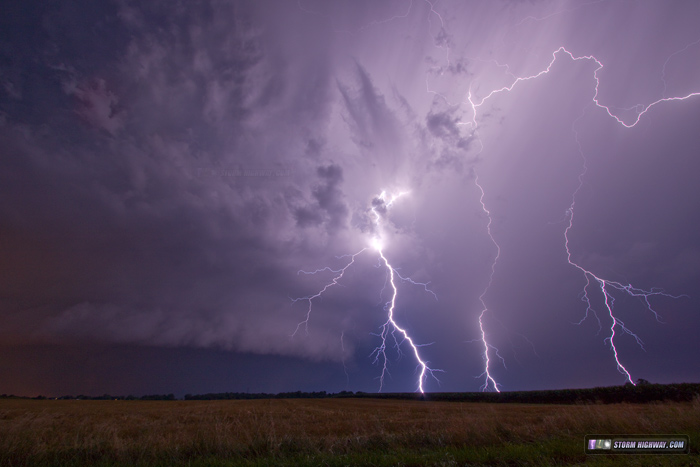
(441, 125)
(369, 114)
(445, 124)
(167, 168)
(329, 204)
(117, 231)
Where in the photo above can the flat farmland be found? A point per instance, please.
(332, 431)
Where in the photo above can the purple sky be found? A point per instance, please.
(143, 253)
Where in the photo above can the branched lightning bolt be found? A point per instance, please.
(390, 327)
(605, 285)
(640, 109)
(411, 281)
(334, 281)
(489, 381)
(663, 69)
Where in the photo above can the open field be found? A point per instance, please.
(329, 432)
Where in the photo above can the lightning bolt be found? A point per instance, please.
(640, 108)
(340, 272)
(345, 368)
(390, 327)
(489, 380)
(605, 285)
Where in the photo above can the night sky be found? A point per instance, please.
(168, 167)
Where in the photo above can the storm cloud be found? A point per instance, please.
(168, 168)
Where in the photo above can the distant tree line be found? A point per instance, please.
(104, 397)
(263, 395)
(643, 392)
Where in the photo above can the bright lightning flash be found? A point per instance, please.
(380, 205)
(605, 285)
(489, 381)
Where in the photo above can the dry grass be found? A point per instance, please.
(326, 431)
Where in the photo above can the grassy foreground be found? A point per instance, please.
(329, 432)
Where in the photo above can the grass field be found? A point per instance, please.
(328, 432)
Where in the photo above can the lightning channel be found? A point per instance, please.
(606, 286)
(641, 109)
(593, 283)
(310, 299)
(489, 381)
(390, 329)
(391, 326)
